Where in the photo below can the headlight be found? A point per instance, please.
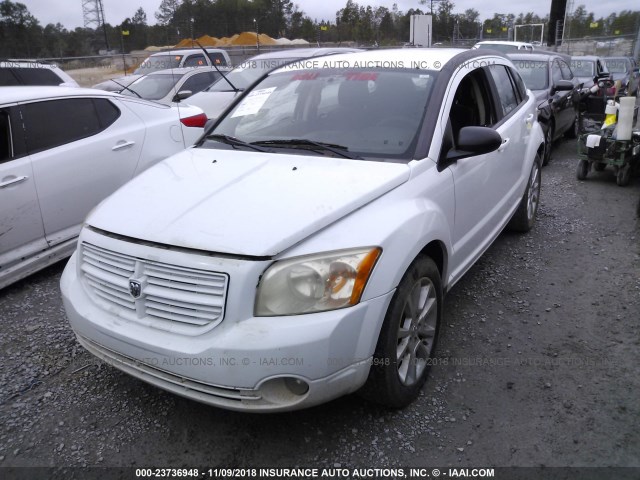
(315, 283)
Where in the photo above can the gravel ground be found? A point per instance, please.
(537, 366)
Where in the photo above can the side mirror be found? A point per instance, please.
(182, 94)
(563, 86)
(474, 141)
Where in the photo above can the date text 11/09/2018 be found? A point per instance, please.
(332, 473)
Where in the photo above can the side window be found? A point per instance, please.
(556, 73)
(471, 103)
(197, 82)
(521, 89)
(107, 112)
(508, 99)
(195, 61)
(53, 123)
(6, 147)
(566, 71)
(38, 76)
(217, 58)
(7, 78)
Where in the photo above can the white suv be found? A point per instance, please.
(23, 72)
(300, 251)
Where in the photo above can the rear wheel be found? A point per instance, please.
(624, 175)
(525, 216)
(408, 337)
(583, 170)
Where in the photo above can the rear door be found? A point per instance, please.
(21, 229)
(82, 150)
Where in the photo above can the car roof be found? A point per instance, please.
(304, 52)
(28, 93)
(184, 51)
(185, 70)
(538, 57)
(502, 42)
(591, 58)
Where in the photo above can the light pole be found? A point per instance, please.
(255, 24)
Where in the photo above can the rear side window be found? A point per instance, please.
(195, 61)
(53, 123)
(218, 59)
(506, 93)
(107, 112)
(38, 76)
(7, 78)
(6, 150)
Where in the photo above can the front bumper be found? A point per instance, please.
(245, 363)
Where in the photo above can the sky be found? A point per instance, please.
(69, 12)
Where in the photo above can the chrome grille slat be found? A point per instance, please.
(174, 303)
(171, 294)
(176, 318)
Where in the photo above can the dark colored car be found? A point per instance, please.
(624, 70)
(554, 85)
(587, 68)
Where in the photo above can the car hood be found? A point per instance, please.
(243, 203)
(619, 76)
(213, 103)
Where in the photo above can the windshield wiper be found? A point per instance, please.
(213, 63)
(306, 144)
(124, 87)
(235, 142)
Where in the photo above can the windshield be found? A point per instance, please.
(367, 113)
(246, 73)
(583, 68)
(535, 74)
(153, 87)
(158, 62)
(617, 65)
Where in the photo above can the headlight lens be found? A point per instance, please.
(315, 283)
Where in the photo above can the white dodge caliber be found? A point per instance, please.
(300, 251)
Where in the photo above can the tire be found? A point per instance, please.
(583, 170)
(573, 130)
(624, 175)
(408, 337)
(525, 216)
(548, 144)
(599, 167)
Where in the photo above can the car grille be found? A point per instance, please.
(170, 296)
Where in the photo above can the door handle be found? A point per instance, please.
(529, 119)
(13, 181)
(503, 145)
(120, 146)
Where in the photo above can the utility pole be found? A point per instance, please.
(93, 16)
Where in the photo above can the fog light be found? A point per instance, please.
(296, 386)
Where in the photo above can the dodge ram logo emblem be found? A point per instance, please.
(135, 289)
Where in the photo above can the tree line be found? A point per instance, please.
(22, 35)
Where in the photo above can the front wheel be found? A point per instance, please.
(525, 216)
(408, 337)
(583, 170)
